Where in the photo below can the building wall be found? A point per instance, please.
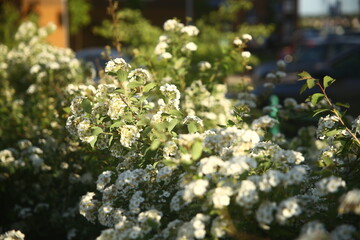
(50, 11)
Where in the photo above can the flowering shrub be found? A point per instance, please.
(42, 172)
(33, 76)
(181, 174)
(174, 158)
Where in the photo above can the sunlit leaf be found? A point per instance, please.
(328, 81)
(345, 105)
(155, 144)
(172, 124)
(86, 105)
(196, 150)
(192, 127)
(315, 98)
(149, 86)
(304, 76)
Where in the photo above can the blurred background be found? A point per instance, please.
(318, 36)
(292, 19)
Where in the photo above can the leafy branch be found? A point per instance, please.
(316, 97)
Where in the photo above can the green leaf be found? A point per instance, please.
(345, 105)
(196, 150)
(318, 111)
(328, 81)
(146, 131)
(120, 90)
(134, 99)
(110, 140)
(116, 125)
(149, 86)
(179, 63)
(67, 109)
(316, 97)
(230, 123)
(192, 127)
(155, 144)
(303, 88)
(332, 132)
(86, 105)
(134, 84)
(328, 161)
(310, 83)
(304, 76)
(93, 141)
(96, 131)
(143, 122)
(175, 112)
(172, 124)
(128, 117)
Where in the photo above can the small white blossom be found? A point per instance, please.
(190, 30)
(221, 197)
(288, 209)
(116, 65)
(329, 185)
(247, 37)
(246, 54)
(189, 47)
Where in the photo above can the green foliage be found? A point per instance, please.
(79, 14)
(129, 28)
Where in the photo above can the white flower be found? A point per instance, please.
(296, 175)
(218, 227)
(88, 206)
(270, 179)
(140, 74)
(196, 188)
(247, 37)
(129, 135)
(246, 54)
(173, 25)
(189, 47)
(6, 157)
(165, 55)
(103, 179)
(209, 165)
(237, 165)
(221, 196)
(350, 202)
(161, 48)
(116, 108)
(329, 185)
(343, 232)
(287, 209)
(313, 230)
(237, 42)
(204, 65)
(116, 65)
(190, 30)
(264, 214)
(12, 235)
(247, 194)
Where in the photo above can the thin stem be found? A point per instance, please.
(127, 104)
(338, 115)
(112, 12)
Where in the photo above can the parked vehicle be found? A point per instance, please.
(338, 57)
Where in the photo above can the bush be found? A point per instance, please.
(175, 158)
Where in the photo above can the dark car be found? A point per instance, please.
(311, 55)
(345, 68)
(339, 58)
